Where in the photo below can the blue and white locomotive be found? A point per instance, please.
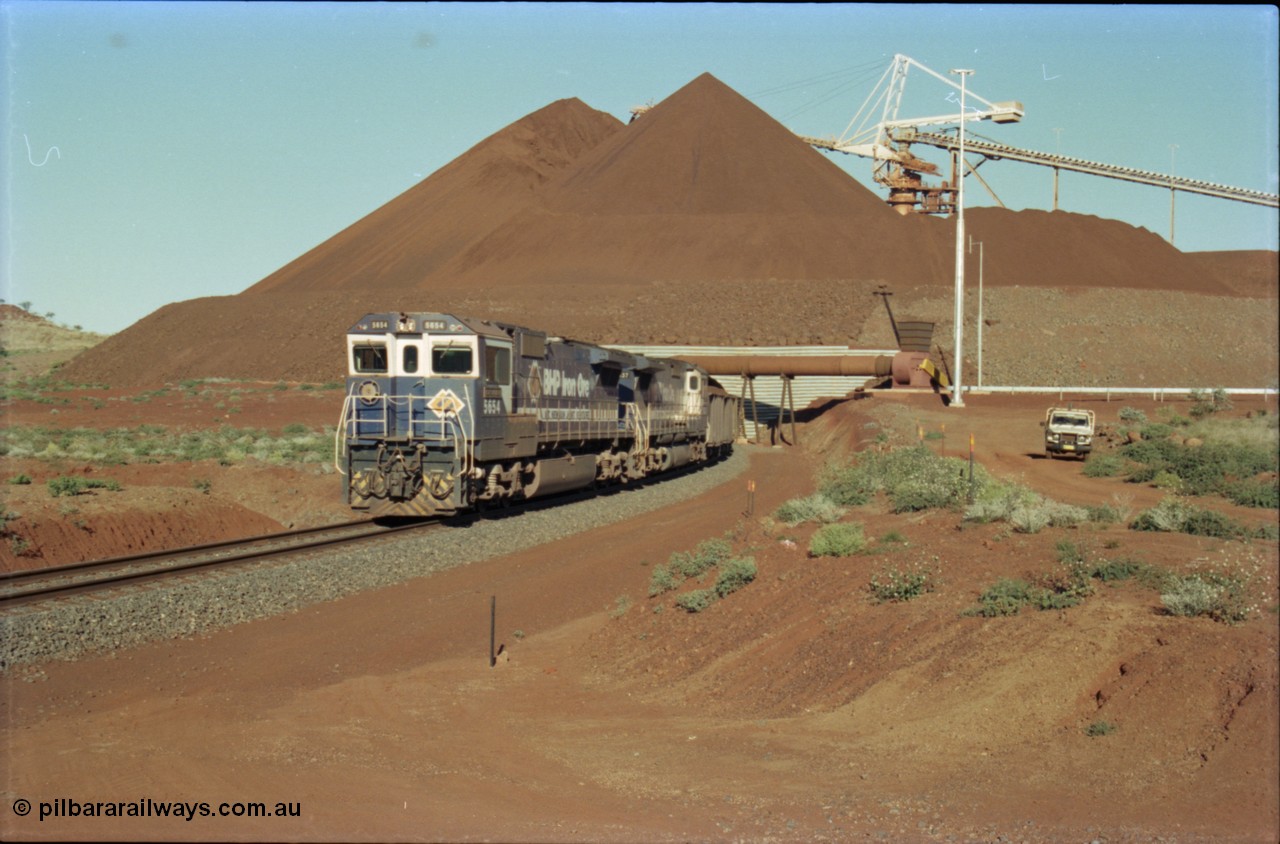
(445, 414)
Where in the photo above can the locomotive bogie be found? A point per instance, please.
(443, 414)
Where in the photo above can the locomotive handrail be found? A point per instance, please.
(340, 438)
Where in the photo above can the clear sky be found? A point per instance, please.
(156, 152)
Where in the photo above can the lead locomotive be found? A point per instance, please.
(443, 414)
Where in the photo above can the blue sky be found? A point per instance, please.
(156, 152)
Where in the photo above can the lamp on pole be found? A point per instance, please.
(1173, 166)
(957, 395)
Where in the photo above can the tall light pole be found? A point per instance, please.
(1173, 161)
(957, 395)
(980, 261)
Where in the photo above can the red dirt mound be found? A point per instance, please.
(1058, 249)
(402, 243)
(568, 221)
(1253, 273)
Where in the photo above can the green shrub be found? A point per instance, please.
(899, 585)
(914, 478)
(838, 540)
(1103, 466)
(1005, 597)
(705, 556)
(1220, 595)
(1030, 518)
(66, 485)
(1168, 516)
(815, 508)
(1069, 552)
(1168, 481)
(1130, 414)
(1106, 514)
(849, 486)
(1190, 596)
(1066, 586)
(1254, 492)
(734, 575)
(697, 600)
(1206, 403)
(1210, 523)
(20, 480)
(662, 580)
(1155, 431)
(1173, 515)
(1109, 571)
(1100, 728)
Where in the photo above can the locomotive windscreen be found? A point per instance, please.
(369, 358)
(451, 360)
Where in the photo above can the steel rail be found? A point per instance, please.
(79, 577)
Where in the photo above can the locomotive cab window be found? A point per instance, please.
(369, 357)
(409, 360)
(695, 383)
(452, 360)
(497, 365)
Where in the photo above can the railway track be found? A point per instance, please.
(23, 587)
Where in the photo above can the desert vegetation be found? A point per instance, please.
(914, 478)
(295, 444)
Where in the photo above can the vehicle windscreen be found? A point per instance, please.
(451, 360)
(1061, 419)
(369, 357)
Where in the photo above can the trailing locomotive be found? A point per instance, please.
(444, 414)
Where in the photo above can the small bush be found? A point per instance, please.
(1190, 596)
(900, 585)
(1210, 523)
(1109, 571)
(1130, 414)
(1206, 403)
(1066, 586)
(839, 540)
(734, 575)
(66, 485)
(1005, 597)
(1105, 514)
(850, 486)
(1174, 516)
(1030, 518)
(1168, 481)
(20, 480)
(705, 556)
(1249, 493)
(697, 600)
(815, 508)
(1069, 552)
(1100, 728)
(1156, 431)
(662, 580)
(1104, 466)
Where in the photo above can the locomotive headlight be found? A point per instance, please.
(369, 392)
